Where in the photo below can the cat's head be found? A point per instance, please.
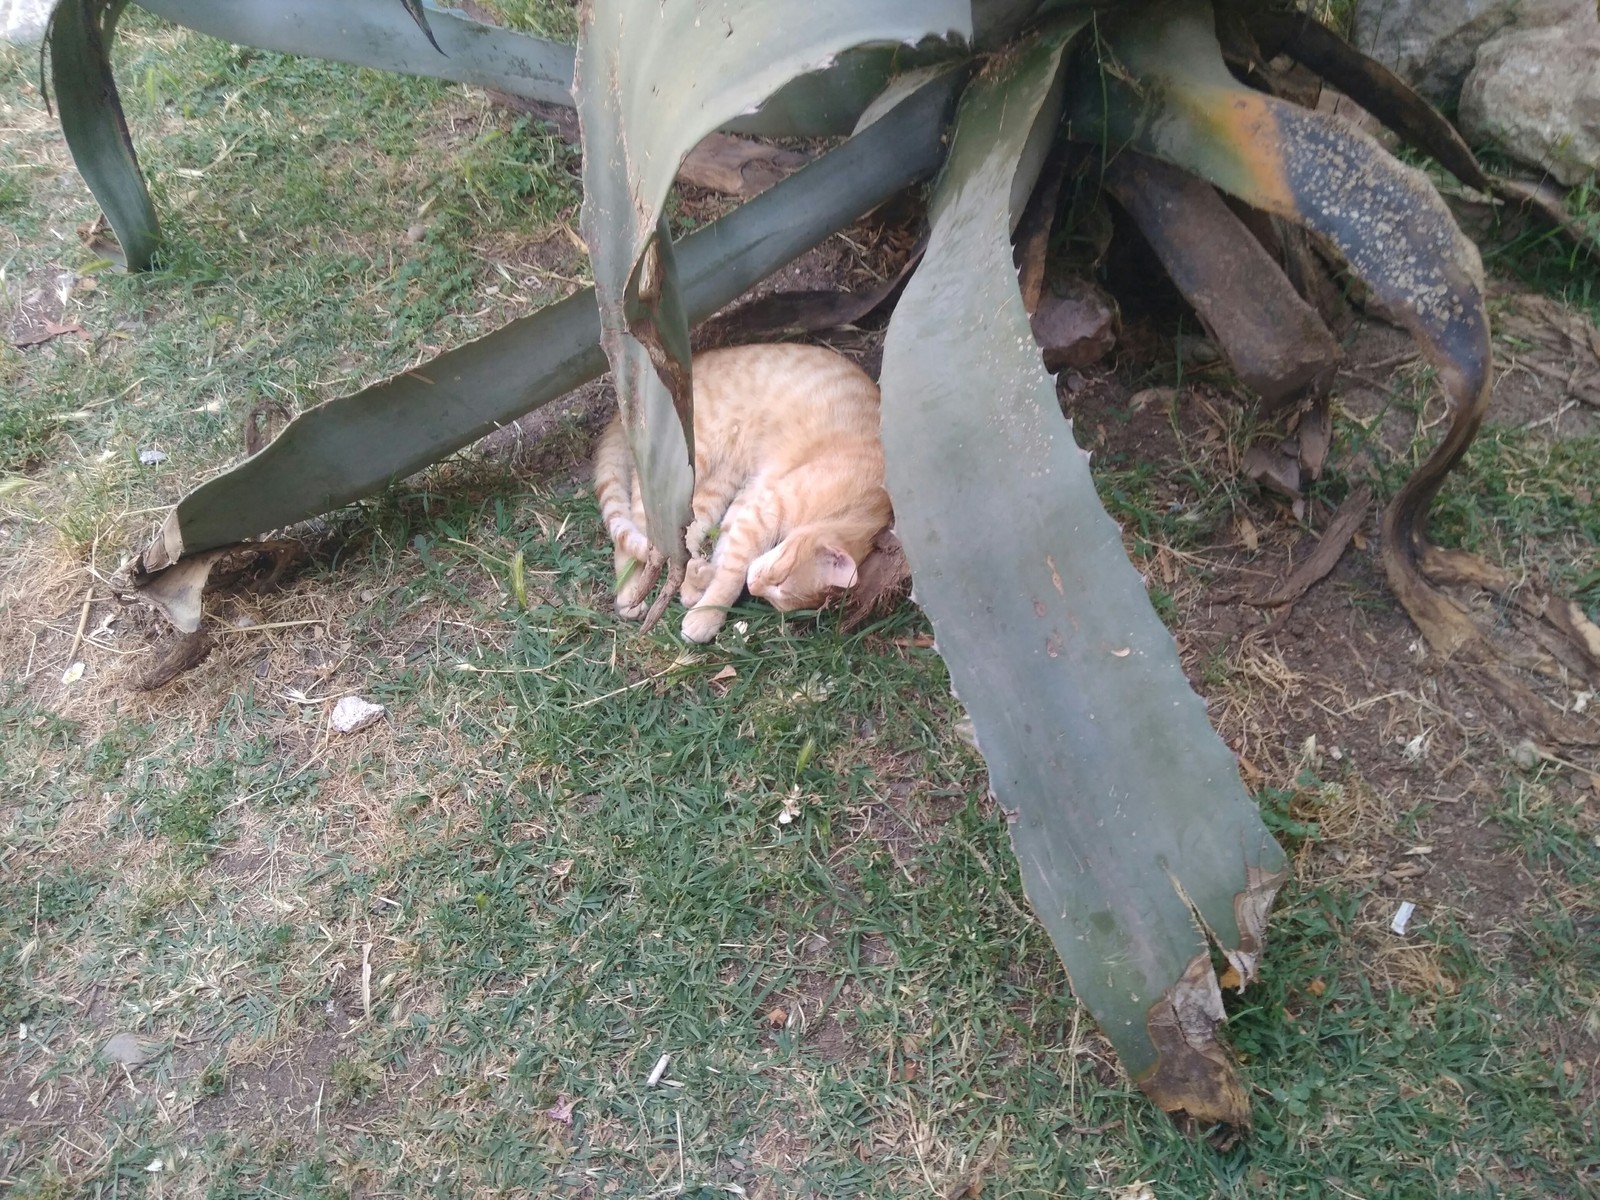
(801, 571)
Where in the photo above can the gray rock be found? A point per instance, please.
(1429, 43)
(23, 20)
(1535, 90)
(126, 1048)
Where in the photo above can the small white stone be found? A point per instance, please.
(353, 713)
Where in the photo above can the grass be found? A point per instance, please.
(443, 955)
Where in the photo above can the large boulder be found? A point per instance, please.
(23, 20)
(1430, 43)
(1535, 89)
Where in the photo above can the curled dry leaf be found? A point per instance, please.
(52, 329)
(737, 166)
(1335, 540)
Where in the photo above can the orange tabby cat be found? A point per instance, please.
(788, 466)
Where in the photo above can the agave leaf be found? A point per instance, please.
(356, 445)
(79, 38)
(1128, 818)
(1311, 168)
(1389, 98)
(389, 36)
(835, 100)
(394, 35)
(1164, 89)
(369, 33)
(652, 81)
(1370, 84)
(827, 102)
(1275, 341)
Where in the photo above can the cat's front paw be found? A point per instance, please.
(701, 624)
(696, 579)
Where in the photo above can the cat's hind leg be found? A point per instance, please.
(635, 579)
(635, 582)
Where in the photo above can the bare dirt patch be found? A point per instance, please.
(1339, 686)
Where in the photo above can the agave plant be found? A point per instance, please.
(1140, 850)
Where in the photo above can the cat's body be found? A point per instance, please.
(789, 469)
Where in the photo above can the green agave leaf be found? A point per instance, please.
(1127, 813)
(409, 36)
(834, 100)
(385, 34)
(653, 80)
(388, 35)
(356, 445)
(79, 38)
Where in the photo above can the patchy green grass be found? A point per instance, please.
(1547, 261)
(562, 855)
(401, 213)
(443, 955)
(1517, 489)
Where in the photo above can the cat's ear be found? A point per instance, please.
(835, 567)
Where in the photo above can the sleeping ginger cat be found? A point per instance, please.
(788, 467)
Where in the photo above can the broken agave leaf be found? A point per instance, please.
(1129, 819)
(1383, 217)
(178, 592)
(1275, 341)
